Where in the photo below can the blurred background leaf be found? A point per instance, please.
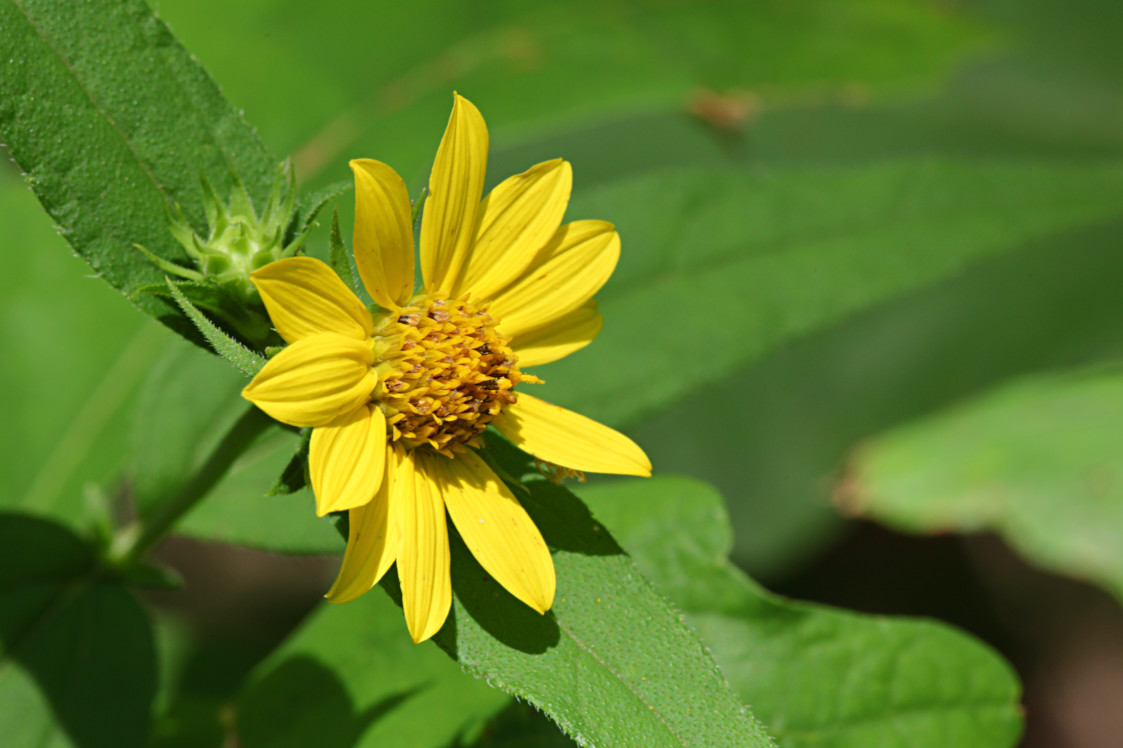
(732, 264)
(349, 677)
(379, 81)
(78, 662)
(1053, 304)
(75, 357)
(1038, 461)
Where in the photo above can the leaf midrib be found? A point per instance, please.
(206, 127)
(89, 94)
(669, 608)
(582, 646)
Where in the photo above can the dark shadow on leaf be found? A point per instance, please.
(495, 609)
(565, 522)
(492, 608)
(304, 703)
(520, 725)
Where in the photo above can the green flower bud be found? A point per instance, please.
(239, 241)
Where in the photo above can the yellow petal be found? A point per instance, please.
(305, 297)
(559, 338)
(373, 540)
(497, 530)
(573, 267)
(314, 381)
(423, 562)
(455, 185)
(383, 233)
(569, 439)
(516, 220)
(346, 459)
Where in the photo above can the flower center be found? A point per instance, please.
(449, 376)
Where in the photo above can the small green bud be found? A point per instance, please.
(238, 240)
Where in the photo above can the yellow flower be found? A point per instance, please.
(397, 400)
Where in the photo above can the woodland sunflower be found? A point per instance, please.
(398, 394)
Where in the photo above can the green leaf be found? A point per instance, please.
(242, 358)
(815, 675)
(612, 662)
(130, 120)
(78, 663)
(353, 678)
(295, 475)
(309, 206)
(1035, 461)
(144, 575)
(342, 261)
(732, 264)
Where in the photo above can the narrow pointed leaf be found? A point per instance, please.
(242, 358)
(342, 261)
(295, 475)
(308, 207)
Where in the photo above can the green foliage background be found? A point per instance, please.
(914, 203)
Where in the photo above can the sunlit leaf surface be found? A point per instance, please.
(816, 676)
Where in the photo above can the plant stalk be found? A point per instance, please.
(134, 540)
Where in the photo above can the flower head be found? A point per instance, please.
(397, 399)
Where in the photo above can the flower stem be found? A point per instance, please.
(133, 540)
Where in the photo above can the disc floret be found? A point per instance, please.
(445, 374)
